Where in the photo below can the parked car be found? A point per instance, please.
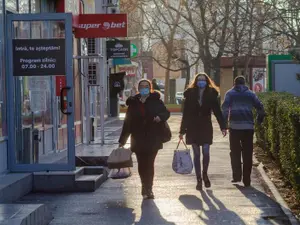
(179, 97)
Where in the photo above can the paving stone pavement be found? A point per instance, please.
(118, 202)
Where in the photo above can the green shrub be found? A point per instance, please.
(279, 135)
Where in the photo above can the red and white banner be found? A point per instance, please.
(101, 26)
(129, 69)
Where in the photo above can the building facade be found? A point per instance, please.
(45, 118)
(159, 55)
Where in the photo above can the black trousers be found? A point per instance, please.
(146, 167)
(241, 144)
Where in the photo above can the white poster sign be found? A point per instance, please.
(38, 101)
(258, 79)
(39, 83)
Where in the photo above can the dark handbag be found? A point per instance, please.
(167, 134)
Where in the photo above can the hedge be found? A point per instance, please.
(279, 134)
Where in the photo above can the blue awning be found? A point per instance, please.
(121, 62)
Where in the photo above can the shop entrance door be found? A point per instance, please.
(40, 50)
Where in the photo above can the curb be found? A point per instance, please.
(283, 205)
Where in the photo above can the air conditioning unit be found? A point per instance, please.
(92, 74)
(111, 3)
(113, 10)
(91, 45)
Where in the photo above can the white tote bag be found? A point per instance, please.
(122, 173)
(182, 160)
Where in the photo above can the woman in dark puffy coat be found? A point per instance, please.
(144, 121)
(200, 100)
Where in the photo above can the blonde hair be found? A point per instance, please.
(209, 81)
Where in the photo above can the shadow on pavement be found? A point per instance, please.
(271, 210)
(151, 214)
(216, 214)
(118, 213)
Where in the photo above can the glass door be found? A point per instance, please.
(40, 82)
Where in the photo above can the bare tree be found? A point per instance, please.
(162, 31)
(248, 33)
(285, 19)
(210, 29)
(208, 23)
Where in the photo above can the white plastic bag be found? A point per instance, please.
(182, 160)
(119, 173)
(120, 158)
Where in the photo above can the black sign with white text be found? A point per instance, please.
(39, 57)
(118, 49)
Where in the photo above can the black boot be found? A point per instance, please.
(206, 180)
(199, 185)
(150, 194)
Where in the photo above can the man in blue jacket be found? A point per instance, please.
(237, 109)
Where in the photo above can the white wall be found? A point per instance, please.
(180, 83)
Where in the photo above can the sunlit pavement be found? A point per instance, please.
(119, 202)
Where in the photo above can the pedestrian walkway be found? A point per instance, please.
(118, 202)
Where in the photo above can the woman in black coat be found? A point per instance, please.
(144, 121)
(201, 99)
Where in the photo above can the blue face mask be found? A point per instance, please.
(144, 91)
(201, 83)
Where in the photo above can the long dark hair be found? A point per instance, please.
(210, 82)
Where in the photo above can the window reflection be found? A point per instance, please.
(11, 5)
(35, 6)
(23, 6)
(31, 117)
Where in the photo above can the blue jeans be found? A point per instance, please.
(197, 156)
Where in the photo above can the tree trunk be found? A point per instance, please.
(188, 77)
(246, 68)
(197, 68)
(217, 70)
(167, 81)
(235, 67)
(207, 67)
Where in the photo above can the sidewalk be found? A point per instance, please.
(112, 131)
(118, 202)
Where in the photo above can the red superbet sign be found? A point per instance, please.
(101, 26)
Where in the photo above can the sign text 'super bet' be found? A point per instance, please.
(101, 26)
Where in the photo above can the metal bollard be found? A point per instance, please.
(36, 141)
(92, 129)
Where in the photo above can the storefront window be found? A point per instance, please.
(35, 6)
(41, 119)
(11, 5)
